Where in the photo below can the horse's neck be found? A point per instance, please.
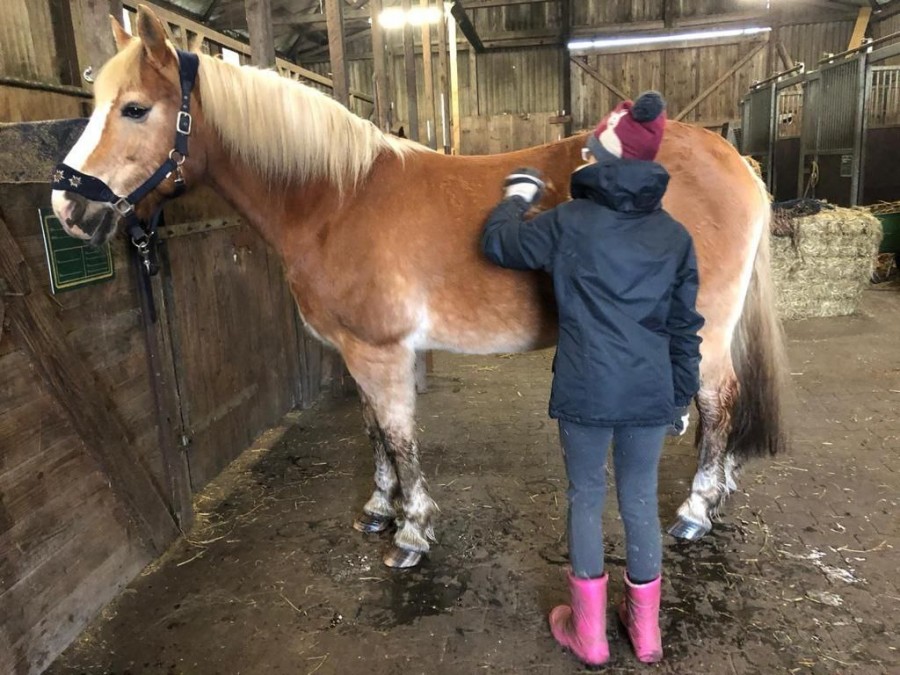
(270, 207)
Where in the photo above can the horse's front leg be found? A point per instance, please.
(378, 513)
(386, 376)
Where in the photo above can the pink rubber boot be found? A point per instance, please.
(639, 612)
(581, 627)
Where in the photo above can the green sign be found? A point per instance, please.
(72, 262)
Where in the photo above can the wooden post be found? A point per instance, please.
(409, 62)
(431, 134)
(454, 83)
(262, 37)
(335, 23)
(474, 105)
(565, 70)
(443, 75)
(95, 41)
(382, 93)
(35, 322)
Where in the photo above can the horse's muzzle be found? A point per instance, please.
(84, 219)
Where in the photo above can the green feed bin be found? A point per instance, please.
(890, 223)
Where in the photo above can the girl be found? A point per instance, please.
(627, 360)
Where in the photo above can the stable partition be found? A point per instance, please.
(828, 133)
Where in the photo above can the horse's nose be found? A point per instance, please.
(69, 208)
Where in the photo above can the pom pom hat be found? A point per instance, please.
(631, 130)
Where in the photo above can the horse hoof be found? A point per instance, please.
(401, 558)
(688, 530)
(372, 523)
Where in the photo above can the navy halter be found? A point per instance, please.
(71, 180)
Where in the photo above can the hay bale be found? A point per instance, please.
(823, 270)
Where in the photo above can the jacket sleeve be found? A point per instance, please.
(683, 325)
(509, 240)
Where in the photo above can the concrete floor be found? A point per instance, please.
(800, 577)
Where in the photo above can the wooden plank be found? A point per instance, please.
(428, 69)
(340, 88)
(409, 66)
(262, 37)
(454, 83)
(740, 63)
(382, 95)
(35, 323)
(443, 96)
(859, 28)
(583, 64)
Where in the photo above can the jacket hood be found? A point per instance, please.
(626, 185)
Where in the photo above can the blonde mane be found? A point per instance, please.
(287, 130)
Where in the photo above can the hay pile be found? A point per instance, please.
(825, 262)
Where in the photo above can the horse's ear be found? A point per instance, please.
(122, 38)
(153, 37)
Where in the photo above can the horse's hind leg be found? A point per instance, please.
(694, 518)
(378, 513)
(386, 376)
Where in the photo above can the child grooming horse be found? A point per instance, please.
(627, 361)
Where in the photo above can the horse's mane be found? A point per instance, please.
(287, 130)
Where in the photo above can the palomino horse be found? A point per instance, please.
(379, 239)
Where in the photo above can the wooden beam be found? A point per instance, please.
(90, 411)
(583, 64)
(340, 89)
(262, 37)
(702, 96)
(382, 96)
(454, 84)
(786, 59)
(443, 80)
(64, 38)
(409, 66)
(465, 25)
(431, 134)
(859, 28)
(668, 13)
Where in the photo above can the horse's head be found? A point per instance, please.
(129, 135)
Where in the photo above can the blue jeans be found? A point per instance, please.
(636, 453)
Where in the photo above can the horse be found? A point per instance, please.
(379, 240)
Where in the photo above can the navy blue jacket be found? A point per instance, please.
(625, 277)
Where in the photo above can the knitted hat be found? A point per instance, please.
(631, 130)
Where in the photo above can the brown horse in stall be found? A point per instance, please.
(379, 241)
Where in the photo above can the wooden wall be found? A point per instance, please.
(84, 507)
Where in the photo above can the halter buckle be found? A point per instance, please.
(176, 156)
(184, 122)
(123, 207)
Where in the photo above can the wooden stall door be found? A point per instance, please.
(237, 347)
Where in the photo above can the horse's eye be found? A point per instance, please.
(134, 111)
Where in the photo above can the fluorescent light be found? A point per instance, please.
(392, 17)
(612, 43)
(418, 16)
(396, 17)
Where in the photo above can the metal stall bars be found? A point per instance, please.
(761, 114)
(881, 119)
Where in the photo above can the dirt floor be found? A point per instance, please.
(800, 576)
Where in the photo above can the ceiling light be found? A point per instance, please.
(616, 42)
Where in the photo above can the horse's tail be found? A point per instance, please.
(758, 354)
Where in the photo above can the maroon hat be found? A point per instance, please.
(631, 130)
